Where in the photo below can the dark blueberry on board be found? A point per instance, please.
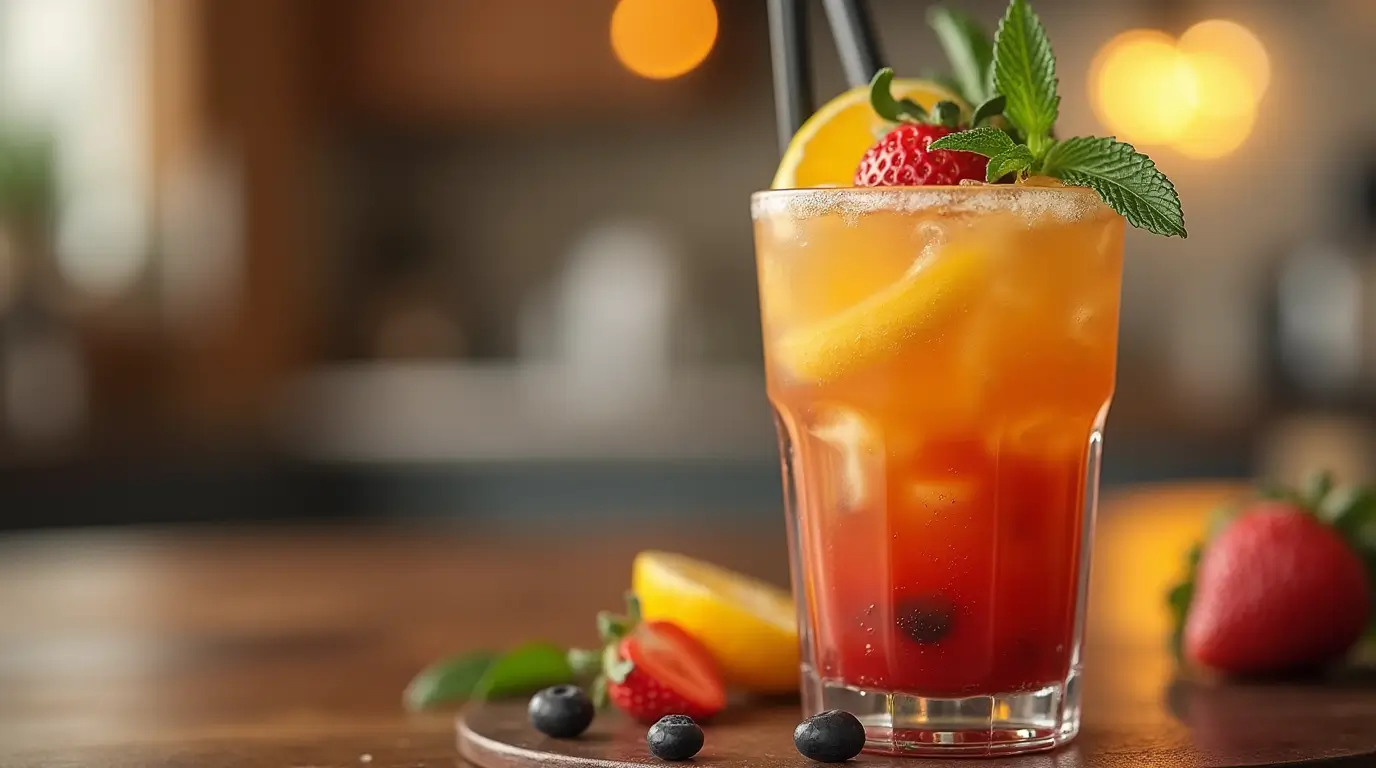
(674, 737)
(831, 737)
(562, 711)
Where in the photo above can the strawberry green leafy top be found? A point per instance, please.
(1022, 72)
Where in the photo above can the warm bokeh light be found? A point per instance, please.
(1225, 109)
(1198, 95)
(1142, 88)
(662, 39)
(1236, 44)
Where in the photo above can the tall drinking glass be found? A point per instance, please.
(940, 362)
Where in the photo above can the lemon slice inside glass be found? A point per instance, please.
(922, 303)
(827, 149)
(749, 626)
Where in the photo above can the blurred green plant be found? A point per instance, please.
(28, 178)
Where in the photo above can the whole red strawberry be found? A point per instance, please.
(902, 159)
(651, 669)
(1277, 590)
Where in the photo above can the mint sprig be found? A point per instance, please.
(1126, 179)
(1025, 74)
(986, 140)
(1024, 78)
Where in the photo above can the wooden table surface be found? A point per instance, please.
(290, 647)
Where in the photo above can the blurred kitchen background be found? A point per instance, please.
(283, 259)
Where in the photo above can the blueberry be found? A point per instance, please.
(563, 711)
(831, 737)
(926, 619)
(674, 737)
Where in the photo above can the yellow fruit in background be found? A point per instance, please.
(749, 626)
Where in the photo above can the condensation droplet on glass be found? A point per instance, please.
(869, 609)
(869, 649)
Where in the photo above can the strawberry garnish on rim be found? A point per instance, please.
(649, 669)
(1282, 583)
(902, 157)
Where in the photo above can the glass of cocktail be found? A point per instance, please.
(940, 362)
(939, 287)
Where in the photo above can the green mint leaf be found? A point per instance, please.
(985, 141)
(524, 670)
(1126, 179)
(988, 110)
(1017, 159)
(1025, 74)
(947, 113)
(889, 108)
(450, 680)
(967, 49)
(599, 692)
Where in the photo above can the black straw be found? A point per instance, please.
(792, 79)
(855, 40)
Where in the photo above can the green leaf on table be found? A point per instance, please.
(1015, 160)
(968, 49)
(524, 670)
(451, 680)
(1127, 180)
(1025, 74)
(987, 141)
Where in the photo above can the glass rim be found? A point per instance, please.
(806, 202)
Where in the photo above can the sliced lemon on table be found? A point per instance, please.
(749, 626)
(921, 304)
(827, 149)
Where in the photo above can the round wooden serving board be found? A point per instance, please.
(1194, 726)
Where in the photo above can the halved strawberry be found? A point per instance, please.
(671, 673)
(652, 669)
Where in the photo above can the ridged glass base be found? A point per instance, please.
(976, 726)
